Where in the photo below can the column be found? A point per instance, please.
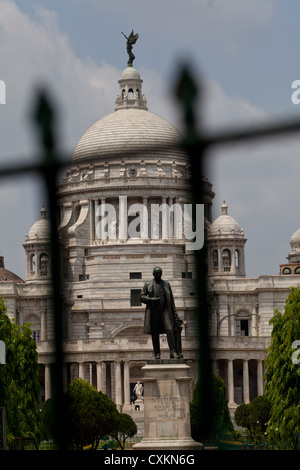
(104, 387)
(90, 373)
(232, 264)
(47, 382)
(165, 220)
(246, 381)
(123, 220)
(81, 370)
(118, 384)
(177, 229)
(220, 260)
(126, 383)
(260, 378)
(230, 376)
(144, 220)
(171, 218)
(92, 218)
(99, 229)
(43, 325)
(99, 376)
(254, 322)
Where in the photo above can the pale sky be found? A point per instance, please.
(245, 52)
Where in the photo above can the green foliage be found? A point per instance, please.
(19, 385)
(125, 427)
(282, 375)
(91, 415)
(222, 424)
(254, 417)
(241, 415)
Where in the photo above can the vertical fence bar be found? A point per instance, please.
(195, 148)
(45, 122)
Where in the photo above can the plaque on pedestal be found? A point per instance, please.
(167, 423)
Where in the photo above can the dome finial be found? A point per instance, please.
(131, 39)
(224, 208)
(43, 212)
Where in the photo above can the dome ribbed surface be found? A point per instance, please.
(225, 224)
(295, 239)
(130, 73)
(127, 131)
(40, 230)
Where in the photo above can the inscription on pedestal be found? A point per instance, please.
(165, 408)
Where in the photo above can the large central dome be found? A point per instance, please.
(130, 130)
(126, 131)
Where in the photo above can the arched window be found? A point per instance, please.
(215, 258)
(242, 323)
(226, 256)
(237, 258)
(297, 270)
(130, 94)
(286, 271)
(43, 264)
(32, 263)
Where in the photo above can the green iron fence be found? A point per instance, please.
(196, 143)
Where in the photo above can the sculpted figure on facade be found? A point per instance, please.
(138, 390)
(160, 315)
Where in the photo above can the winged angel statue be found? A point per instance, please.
(131, 39)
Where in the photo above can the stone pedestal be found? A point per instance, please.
(167, 407)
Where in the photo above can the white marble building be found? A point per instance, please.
(123, 166)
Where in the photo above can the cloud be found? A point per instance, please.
(223, 111)
(259, 187)
(36, 53)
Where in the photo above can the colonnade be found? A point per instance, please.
(110, 377)
(113, 378)
(229, 376)
(117, 215)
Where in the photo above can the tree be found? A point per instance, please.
(222, 424)
(241, 415)
(254, 417)
(90, 414)
(125, 427)
(19, 385)
(283, 371)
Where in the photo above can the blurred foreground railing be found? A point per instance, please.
(195, 143)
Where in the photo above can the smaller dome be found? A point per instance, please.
(130, 73)
(40, 230)
(225, 224)
(6, 275)
(295, 239)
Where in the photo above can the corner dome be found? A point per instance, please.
(225, 224)
(128, 132)
(40, 230)
(6, 275)
(295, 240)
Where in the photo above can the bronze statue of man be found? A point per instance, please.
(160, 314)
